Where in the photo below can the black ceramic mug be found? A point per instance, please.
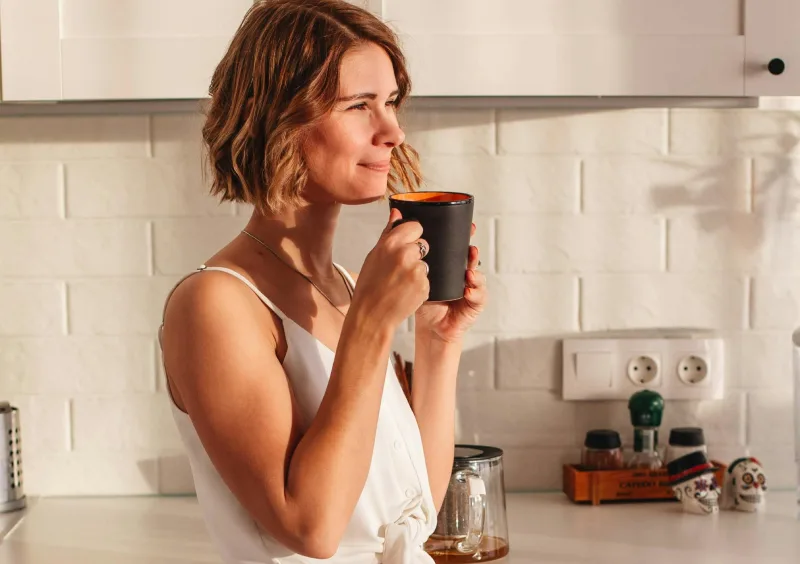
(446, 219)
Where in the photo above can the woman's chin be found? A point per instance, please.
(366, 199)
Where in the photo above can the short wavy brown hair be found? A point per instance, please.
(280, 77)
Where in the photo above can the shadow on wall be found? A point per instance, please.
(168, 474)
(775, 191)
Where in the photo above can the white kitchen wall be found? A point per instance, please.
(588, 221)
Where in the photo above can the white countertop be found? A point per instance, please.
(544, 528)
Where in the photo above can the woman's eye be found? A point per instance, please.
(363, 105)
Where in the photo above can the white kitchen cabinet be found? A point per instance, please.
(113, 49)
(592, 47)
(772, 31)
(168, 49)
(29, 50)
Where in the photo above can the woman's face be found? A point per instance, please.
(348, 153)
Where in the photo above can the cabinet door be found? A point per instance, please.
(144, 49)
(571, 47)
(772, 32)
(30, 54)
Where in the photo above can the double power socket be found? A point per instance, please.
(677, 368)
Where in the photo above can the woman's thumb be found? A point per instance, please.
(394, 217)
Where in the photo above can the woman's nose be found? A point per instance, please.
(390, 133)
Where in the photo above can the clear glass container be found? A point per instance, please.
(602, 450)
(471, 525)
(646, 409)
(683, 440)
(645, 453)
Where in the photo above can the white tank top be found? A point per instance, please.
(395, 514)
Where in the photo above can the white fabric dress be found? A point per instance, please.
(395, 514)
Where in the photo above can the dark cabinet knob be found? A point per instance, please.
(776, 66)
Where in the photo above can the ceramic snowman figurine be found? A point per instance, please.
(695, 485)
(745, 486)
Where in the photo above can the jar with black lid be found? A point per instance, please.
(602, 450)
(683, 440)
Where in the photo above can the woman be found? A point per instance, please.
(297, 451)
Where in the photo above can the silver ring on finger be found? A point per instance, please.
(423, 250)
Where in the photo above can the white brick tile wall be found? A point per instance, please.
(723, 421)
(740, 243)
(536, 468)
(181, 245)
(734, 132)
(118, 306)
(44, 423)
(30, 190)
(582, 132)
(508, 183)
(530, 302)
(630, 301)
(138, 188)
(451, 132)
(529, 361)
(174, 474)
(130, 422)
(476, 368)
(73, 137)
(32, 308)
(776, 187)
(91, 473)
(176, 136)
(778, 461)
(76, 365)
(506, 419)
(577, 243)
(776, 302)
(665, 185)
(74, 248)
(587, 221)
(768, 412)
(760, 360)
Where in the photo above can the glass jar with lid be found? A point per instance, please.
(683, 440)
(602, 450)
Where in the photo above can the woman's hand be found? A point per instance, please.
(448, 321)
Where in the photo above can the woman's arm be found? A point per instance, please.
(433, 399)
(302, 491)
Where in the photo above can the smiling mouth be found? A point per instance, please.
(750, 498)
(377, 167)
(710, 505)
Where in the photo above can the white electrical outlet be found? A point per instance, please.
(677, 368)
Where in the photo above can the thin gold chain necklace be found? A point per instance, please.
(310, 281)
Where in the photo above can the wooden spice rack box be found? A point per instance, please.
(634, 484)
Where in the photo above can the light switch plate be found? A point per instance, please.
(686, 368)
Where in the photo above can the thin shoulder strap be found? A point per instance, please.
(202, 268)
(261, 296)
(347, 277)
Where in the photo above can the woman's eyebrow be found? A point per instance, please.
(363, 95)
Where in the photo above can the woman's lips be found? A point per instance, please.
(379, 166)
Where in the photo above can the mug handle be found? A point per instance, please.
(477, 513)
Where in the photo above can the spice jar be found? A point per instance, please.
(683, 440)
(646, 409)
(602, 450)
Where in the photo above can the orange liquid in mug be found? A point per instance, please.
(443, 550)
(430, 197)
